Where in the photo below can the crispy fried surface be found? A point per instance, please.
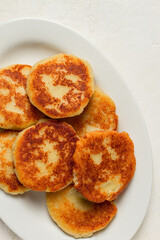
(98, 115)
(61, 86)
(16, 111)
(76, 215)
(43, 155)
(104, 164)
(8, 180)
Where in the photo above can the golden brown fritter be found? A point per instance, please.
(104, 164)
(16, 111)
(76, 215)
(61, 86)
(8, 179)
(43, 155)
(98, 115)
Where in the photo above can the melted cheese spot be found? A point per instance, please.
(11, 107)
(52, 159)
(43, 170)
(41, 131)
(20, 90)
(51, 152)
(4, 91)
(56, 91)
(90, 128)
(112, 185)
(97, 158)
(7, 79)
(106, 141)
(113, 153)
(25, 71)
(72, 77)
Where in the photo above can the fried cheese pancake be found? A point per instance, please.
(76, 215)
(61, 86)
(16, 111)
(98, 115)
(104, 164)
(43, 155)
(8, 179)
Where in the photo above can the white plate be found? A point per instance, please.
(29, 40)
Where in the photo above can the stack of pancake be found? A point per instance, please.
(58, 134)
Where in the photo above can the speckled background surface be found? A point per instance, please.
(128, 33)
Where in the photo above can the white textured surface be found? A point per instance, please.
(128, 32)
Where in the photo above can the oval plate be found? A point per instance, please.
(30, 40)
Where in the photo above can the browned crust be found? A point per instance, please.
(25, 158)
(15, 120)
(58, 67)
(84, 167)
(99, 113)
(8, 182)
(74, 221)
